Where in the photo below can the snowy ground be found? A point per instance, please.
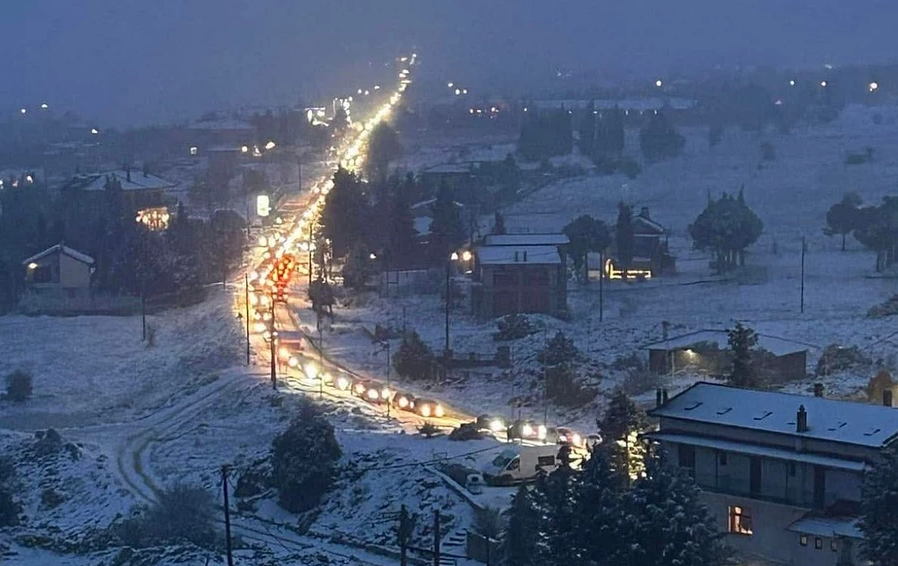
(791, 195)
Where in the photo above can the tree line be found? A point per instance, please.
(874, 226)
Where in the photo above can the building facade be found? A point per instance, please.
(59, 270)
(519, 273)
(780, 473)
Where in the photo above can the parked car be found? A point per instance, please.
(489, 423)
(404, 401)
(521, 463)
(526, 430)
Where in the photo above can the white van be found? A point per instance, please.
(521, 463)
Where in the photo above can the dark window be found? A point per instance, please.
(739, 520)
(818, 543)
(792, 469)
(819, 486)
(545, 461)
(686, 456)
(514, 465)
(755, 476)
(803, 540)
(723, 458)
(834, 546)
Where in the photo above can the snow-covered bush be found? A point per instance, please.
(429, 430)
(884, 309)
(513, 327)
(9, 509)
(304, 460)
(18, 386)
(559, 350)
(835, 358)
(414, 359)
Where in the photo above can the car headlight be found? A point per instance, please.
(385, 393)
(342, 383)
(541, 432)
(438, 411)
(496, 425)
(577, 439)
(403, 402)
(373, 394)
(293, 362)
(425, 411)
(526, 430)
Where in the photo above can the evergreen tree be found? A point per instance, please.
(587, 130)
(446, 231)
(358, 269)
(741, 340)
(842, 218)
(664, 522)
(598, 510)
(726, 227)
(623, 236)
(414, 359)
(586, 234)
(558, 497)
(522, 541)
(498, 224)
(659, 139)
(383, 147)
(402, 244)
(343, 217)
(879, 499)
(620, 427)
(559, 351)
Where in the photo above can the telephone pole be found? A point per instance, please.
(436, 538)
(404, 534)
(601, 290)
(272, 339)
(246, 303)
(803, 246)
(227, 513)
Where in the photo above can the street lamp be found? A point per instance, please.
(450, 259)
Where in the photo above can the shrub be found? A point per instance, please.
(182, 513)
(632, 361)
(559, 350)
(18, 386)
(304, 460)
(9, 509)
(836, 358)
(465, 431)
(562, 387)
(429, 430)
(414, 359)
(639, 380)
(50, 498)
(513, 327)
(884, 309)
(489, 522)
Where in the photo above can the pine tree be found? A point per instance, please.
(343, 217)
(620, 426)
(659, 139)
(414, 359)
(498, 224)
(446, 231)
(521, 544)
(598, 510)
(623, 236)
(879, 499)
(741, 340)
(588, 130)
(402, 244)
(558, 497)
(666, 524)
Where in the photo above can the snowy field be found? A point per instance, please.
(791, 195)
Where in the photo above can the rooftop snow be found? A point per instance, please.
(526, 240)
(773, 344)
(74, 254)
(758, 450)
(445, 168)
(828, 526)
(861, 424)
(502, 255)
(139, 181)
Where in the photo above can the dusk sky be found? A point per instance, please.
(126, 62)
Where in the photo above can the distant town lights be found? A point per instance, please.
(23, 110)
(658, 83)
(792, 82)
(823, 84)
(44, 106)
(873, 86)
(94, 131)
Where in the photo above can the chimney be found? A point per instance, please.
(664, 396)
(644, 213)
(818, 390)
(658, 398)
(887, 397)
(801, 423)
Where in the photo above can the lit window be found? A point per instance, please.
(740, 520)
(803, 540)
(818, 543)
(194, 150)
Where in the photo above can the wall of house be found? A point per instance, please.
(519, 288)
(73, 274)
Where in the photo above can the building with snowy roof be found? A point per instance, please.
(780, 473)
(519, 273)
(59, 270)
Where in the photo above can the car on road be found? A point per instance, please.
(404, 401)
(490, 423)
(371, 391)
(428, 408)
(526, 430)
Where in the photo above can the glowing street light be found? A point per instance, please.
(244, 149)
(823, 84)
(94, 131)
(44, 106)
(450, 85)
(873, 86)
(658, 83)
(792, 82)
(270, 145)
(23, 110)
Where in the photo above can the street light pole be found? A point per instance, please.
(273, 339)
(389, 388)
(448, 267)
(246, 303)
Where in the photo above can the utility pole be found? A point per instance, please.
(601, 285)
(246, 303)
(273, 338)
(448, 267)
(436, 538)
(389, 388)
(227, 513)
(310, 252)
(802, 273)
(320, 357)
(404, 534)
(143, 309)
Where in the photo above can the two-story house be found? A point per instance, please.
(519, 273)
(781, 473)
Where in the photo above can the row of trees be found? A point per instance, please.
(726, 227)
(588, 235)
